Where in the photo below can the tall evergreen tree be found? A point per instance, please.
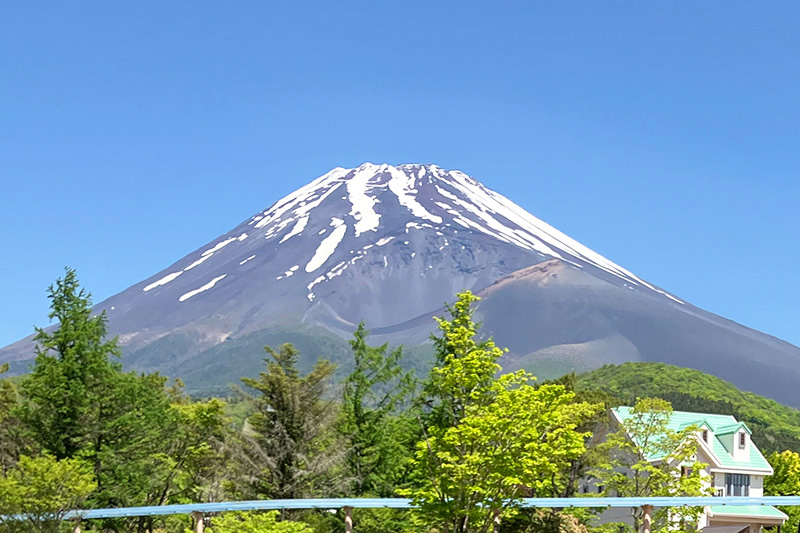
(286, 449)
(380, 438)
(144, 447)
(72, 374)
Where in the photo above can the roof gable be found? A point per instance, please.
(733, 428)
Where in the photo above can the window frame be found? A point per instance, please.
(737, 484)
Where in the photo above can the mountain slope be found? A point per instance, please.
(391, 245)
(554, 317)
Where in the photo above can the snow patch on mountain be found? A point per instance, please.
(402, 185)
(198, 262)
(219, 246)
(163, 281)
(363, 204)
(328, 245)
(204, 288)
(296, 230)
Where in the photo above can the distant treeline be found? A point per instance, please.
(775, 427)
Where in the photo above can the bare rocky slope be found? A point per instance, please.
(390, 245)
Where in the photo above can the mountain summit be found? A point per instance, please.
(389, 245)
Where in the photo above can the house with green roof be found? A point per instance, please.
(734, 467)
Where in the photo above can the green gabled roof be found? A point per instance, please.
(763, 511)
(733, 428)
(680, 420)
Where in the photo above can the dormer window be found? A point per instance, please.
(742, 440)
(705, 436)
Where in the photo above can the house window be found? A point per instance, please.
(686, 471)
(599, 489)
(705, 435)
(737, 484)
(742, 440)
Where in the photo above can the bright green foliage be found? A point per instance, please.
(250, 522)
(287, 449)
(379, 439)
(497, 454)
(775, 426)
(785, 482)
(537, 520)
(626, 471)
(72, 373)
(195, 452)
(489, 441)
(465, 367)
(40, 491)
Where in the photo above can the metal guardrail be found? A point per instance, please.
(403, 503)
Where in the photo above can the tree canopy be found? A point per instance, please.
(466, 445)
(488, 441)
(288, 449)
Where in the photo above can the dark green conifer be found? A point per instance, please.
(70, 380)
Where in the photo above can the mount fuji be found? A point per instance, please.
(389, 245)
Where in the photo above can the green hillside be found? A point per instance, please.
(776, 427)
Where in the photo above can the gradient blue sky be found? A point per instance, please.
(663, 135)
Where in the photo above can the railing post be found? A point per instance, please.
(77, 528)
(199, 525)
(647, 519)
(348, 520)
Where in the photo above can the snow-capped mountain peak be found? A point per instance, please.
(428, 197)
(390, 245)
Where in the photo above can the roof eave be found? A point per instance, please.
(742, 470)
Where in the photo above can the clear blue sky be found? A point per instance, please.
(664, 135)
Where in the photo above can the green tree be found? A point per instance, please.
(196, 460)
(489, 441)
(71, 376)
(464, 369)
(785, 481)
(145, 443)
(379, 437)
(251, 522)
(37, 493)
(644, 456)
(287, 448)
(12, 438)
